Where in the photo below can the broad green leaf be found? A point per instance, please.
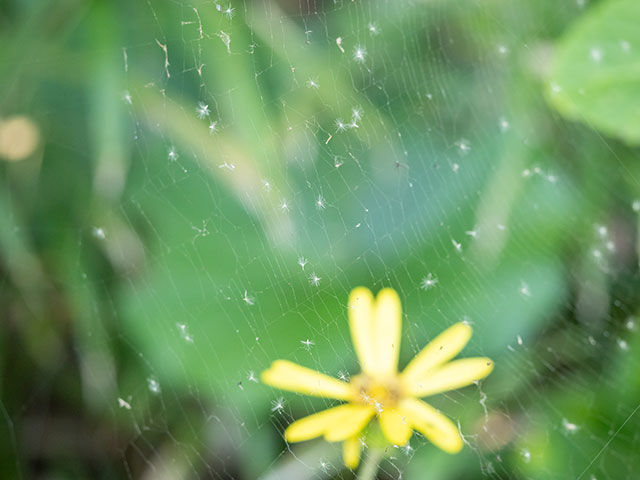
(595, 75)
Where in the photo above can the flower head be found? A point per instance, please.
(380, 391)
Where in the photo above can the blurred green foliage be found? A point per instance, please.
(596, 71)
(148, 273)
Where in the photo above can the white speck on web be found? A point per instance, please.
(428, 282)
(464, 146)
(252, 377)
(314, 279)
(456, 245)
(184, 332)
(339, 44)
(124, 404)
(325, 466)
(228, 166)
(320, 203)
(569, 427)
(596, 54)
(153, 385)
(526, 455)
(248, 299)
(284, 205)
(200, 231)
(202, 110)
(307, 344)
(359, 54)
(99, 233)
(226, 39)
(200, 30)
(340, 125)
(163, 46)
(630, 324)
(302, 262)
(228, 12)
(312, 83)
(277, 405)
(373, 29)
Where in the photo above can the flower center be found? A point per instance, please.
(376, 392)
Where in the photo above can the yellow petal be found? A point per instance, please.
(290, 376)
(351, 452)
(440, 431)
(361, 311)
(336, 424)
(395, 426)
(315, 425)
(351, 422)
(450, 376)
(439, 350)
(388, 326)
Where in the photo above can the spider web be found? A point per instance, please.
(289, 152)
(284, 153)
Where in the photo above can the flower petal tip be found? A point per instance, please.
(359, 293)
(351, 452)
(454, 448)
(268, 376)
(290, 436)
(465, 326)
(486, 368)
(388, 291)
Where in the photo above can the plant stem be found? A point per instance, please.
(369, 468)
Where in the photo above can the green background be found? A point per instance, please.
(142, 291)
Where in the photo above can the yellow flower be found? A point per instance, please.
(380, 390)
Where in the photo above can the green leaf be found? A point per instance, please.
(595, 75)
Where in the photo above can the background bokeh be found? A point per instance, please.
(190, 189)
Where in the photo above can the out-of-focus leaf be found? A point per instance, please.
(595, 76)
